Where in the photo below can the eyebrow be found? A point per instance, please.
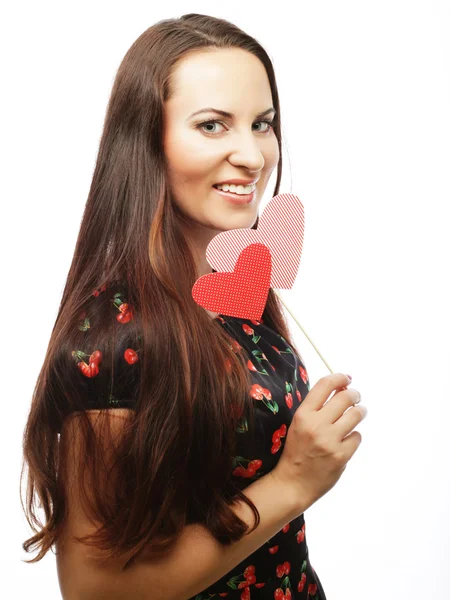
(223, 113)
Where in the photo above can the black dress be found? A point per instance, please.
(280, 569)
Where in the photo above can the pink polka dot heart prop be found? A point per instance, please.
(241, 293)
(280, 228)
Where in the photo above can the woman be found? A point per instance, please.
(178, 409)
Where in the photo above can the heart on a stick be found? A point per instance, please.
(280, 228)
(241, 293)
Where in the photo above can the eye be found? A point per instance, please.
(269, 123)
(214, 121)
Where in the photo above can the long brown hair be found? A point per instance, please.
(128, 334)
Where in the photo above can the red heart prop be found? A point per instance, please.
(241, 293)
(280, 228)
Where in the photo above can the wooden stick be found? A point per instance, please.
(307, 336)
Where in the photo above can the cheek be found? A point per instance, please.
(190, 168)
(188, 152)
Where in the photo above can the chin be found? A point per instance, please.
(241, 225)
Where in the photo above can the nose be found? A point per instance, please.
(247, 153)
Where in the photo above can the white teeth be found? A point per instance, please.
(236, 189)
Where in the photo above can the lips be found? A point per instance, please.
(237, 198)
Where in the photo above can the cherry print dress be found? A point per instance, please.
(280, 569)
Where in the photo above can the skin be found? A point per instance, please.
(243, 147)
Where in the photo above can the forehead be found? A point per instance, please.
(230, 79)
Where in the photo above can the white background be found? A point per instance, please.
(365, 103)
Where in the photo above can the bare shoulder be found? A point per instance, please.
(95, 413)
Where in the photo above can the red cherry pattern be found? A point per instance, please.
(130, 356)
(89, 365)
(276, 438)
(242, 581)
(257, 392)
(263, 394)
(90, 368)
(99, 290)
(249, 470)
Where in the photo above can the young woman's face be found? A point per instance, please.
(238, 147)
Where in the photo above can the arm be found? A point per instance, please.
(198, 560)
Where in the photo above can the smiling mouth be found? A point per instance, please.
(236, 198)
(253, 186)
(230, 192)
